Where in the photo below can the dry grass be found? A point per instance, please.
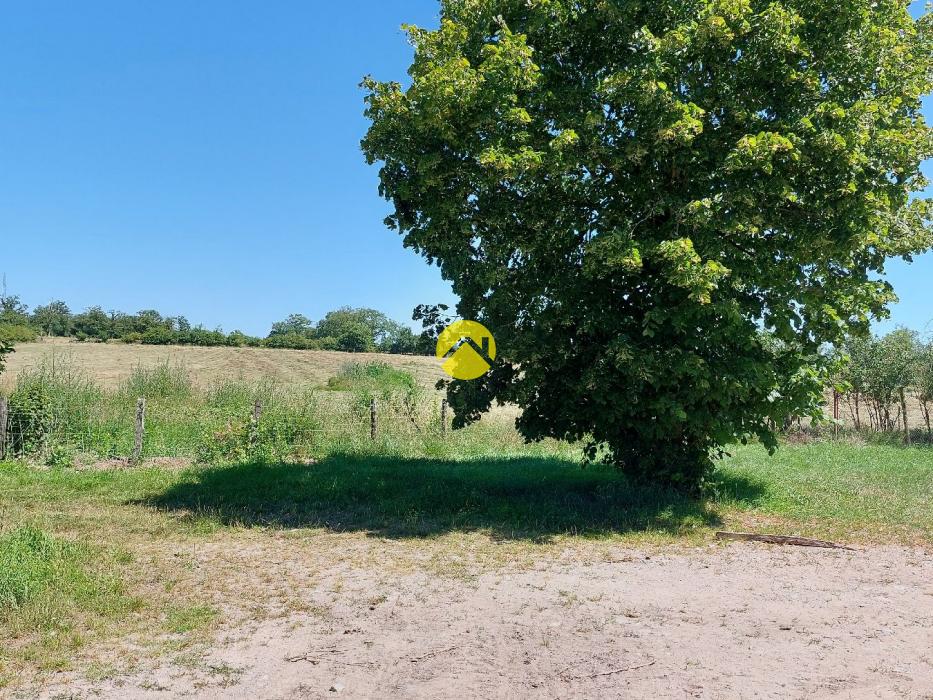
(110, 364)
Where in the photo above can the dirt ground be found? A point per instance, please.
(716, 621)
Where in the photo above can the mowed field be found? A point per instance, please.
(108, 364)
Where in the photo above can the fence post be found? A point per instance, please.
(140, 429)
(4, 416)
(443, 416)
(254, 423)
(372, 419)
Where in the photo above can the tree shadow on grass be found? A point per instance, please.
(529, 498)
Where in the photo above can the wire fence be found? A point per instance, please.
(135, 431)
(279, 427)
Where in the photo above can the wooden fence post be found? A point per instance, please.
(254, 423)
(140, 430)
(4, 417)
(443, 416)
(372, 419)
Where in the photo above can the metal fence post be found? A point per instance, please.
(443, 416)
(372, 419)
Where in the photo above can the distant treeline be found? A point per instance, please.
(346, 329)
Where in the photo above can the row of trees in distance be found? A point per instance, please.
(346, 329)
(881, 372)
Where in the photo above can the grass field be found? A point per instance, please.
(110, 364)
(104, 566)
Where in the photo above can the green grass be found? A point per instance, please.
(824, 486)
(54, 592)
(880, 492)
(184, 619)
(372, 377)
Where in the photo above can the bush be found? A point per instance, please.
(31, 417)
(291, 341)
(159, 335)
(924, 382)
(288, 422)
(162, 381)
(18, 333)
(51, 402)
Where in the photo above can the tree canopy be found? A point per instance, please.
(662, 210)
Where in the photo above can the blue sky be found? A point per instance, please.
(203, 159)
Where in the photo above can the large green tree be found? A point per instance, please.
(628, 192)
(53, 319)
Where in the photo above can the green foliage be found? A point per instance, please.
(19, 333)
(295, 324)
(162, 381)
(6, 347)
(31, 417)
(395, 390)
(625, 194)
(53, 319)
(880, 369)
(13, 312)
(287, 424)
(51, 401)
(371, 376)
(923, 379)
(345, 329)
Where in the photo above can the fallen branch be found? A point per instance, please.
(432, 654)
(315, 656)
(315, 660)
(781, 539)
(607, 673)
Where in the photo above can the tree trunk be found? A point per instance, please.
(904, 415)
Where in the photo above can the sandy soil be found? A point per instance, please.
(723, 621)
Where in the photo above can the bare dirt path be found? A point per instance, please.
(723, 621)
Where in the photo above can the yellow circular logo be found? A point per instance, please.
(467, 348)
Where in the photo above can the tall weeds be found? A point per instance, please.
(59, 416)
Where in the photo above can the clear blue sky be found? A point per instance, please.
(202, 158)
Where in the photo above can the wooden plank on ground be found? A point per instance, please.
(780, 539)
